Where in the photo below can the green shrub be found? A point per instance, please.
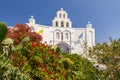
(3, 31)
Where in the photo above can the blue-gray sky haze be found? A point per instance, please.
(103, 14)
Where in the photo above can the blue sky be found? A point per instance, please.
(103, 14)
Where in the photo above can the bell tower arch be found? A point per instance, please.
(61, 19)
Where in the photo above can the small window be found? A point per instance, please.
(60, 15)
(31, 21)
(62, 24)
(67, 24)
(33, 29)
(64, 16)
(56, 23)
(57, 35)
(66, 36)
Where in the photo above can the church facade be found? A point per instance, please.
(64, 35)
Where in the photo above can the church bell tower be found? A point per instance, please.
(62, 20)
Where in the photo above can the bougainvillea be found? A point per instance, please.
(40, 61)
(20, 31)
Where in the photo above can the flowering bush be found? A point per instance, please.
(40, 61)
(20, 31)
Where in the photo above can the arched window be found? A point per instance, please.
(91, 38)
(66, 36)
(63, 15)
(62, 24)
(60, 15)
(57, 35)
(67, 24)
(56, 23)
(33, 29)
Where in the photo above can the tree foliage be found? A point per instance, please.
(81, 68)
(109, 55)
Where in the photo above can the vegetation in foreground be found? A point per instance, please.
(33, 60)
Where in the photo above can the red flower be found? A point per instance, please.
(42, 66)
(17, 64)
(43, 77)
(12, 57)
(65, 75)
(53, 78)
(50, 73)
(58, 56)
(33, 45)
(40, 37)
(52, 51)
(22, 61)
(44, 70)
(118, 68)
(44, 57)
(26, 66)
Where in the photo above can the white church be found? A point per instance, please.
(64, 35)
